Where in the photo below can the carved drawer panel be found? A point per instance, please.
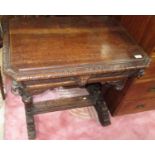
(141, 90)
(135, 106)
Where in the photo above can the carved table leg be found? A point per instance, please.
(2, 86)
(29, 116)
(96, 93)
(103, 113)
(17, 88)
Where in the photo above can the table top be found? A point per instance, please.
(59, 46)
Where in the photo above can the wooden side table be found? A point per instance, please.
(68, 51)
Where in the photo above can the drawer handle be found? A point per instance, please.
(152, 89)
(140, 106)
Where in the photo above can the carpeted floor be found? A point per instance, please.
(1, 118)
(74, 124)
(1, 106)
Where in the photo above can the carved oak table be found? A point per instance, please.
(69, 51)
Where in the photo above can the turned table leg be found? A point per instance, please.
(95, 91)
(17, 88)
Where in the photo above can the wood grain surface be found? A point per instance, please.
(68, 45)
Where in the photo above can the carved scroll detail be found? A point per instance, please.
(83, 80)
(118, 85)
(140, 73)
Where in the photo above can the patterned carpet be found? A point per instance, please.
(74, 124)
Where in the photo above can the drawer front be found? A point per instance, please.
(153, 53)
(35, 87)
(136, 106)
(150, 71)
(141, 90)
